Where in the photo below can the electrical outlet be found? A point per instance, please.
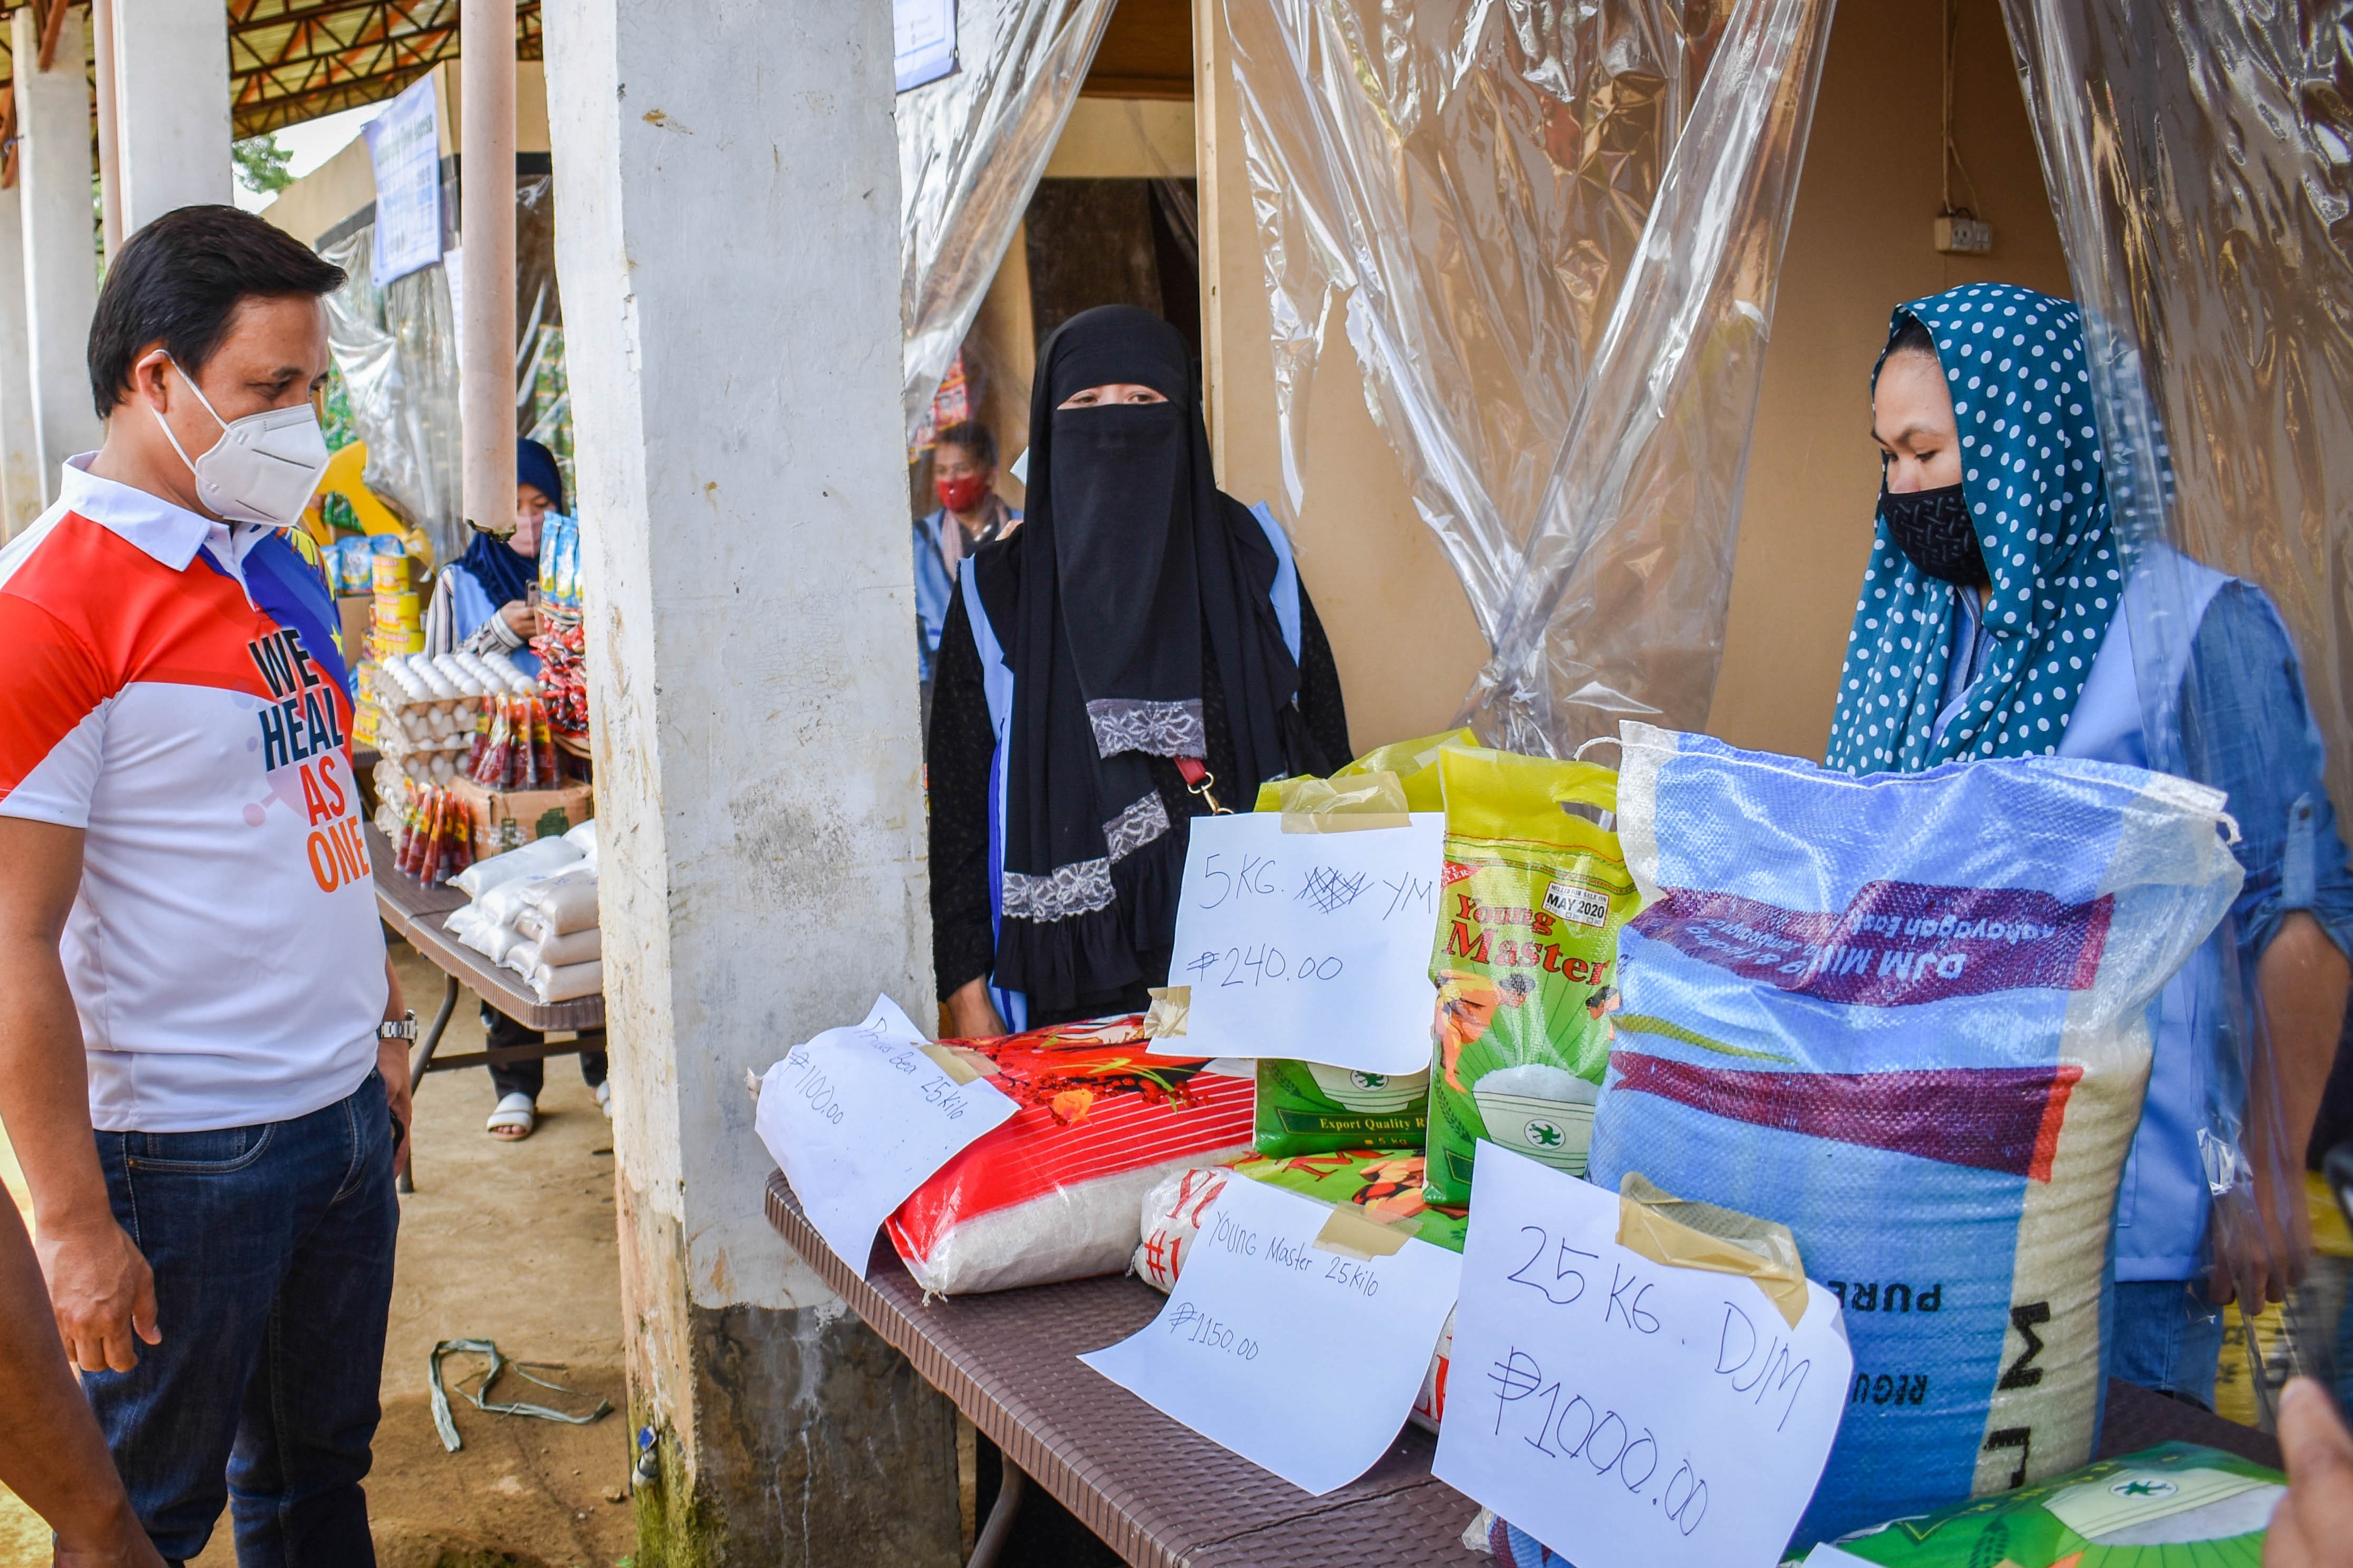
(1964, 236)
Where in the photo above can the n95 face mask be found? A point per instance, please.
(264, 467)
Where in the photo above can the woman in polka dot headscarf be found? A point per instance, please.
(1993, 522)
(1997, 621)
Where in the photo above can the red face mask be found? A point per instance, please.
(961, 494)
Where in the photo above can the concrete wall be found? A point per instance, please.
(346, 182)
(1859, 244)
(1104, 138)
(1400, 629)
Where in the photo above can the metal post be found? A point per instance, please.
(110, 128)
(486, 219)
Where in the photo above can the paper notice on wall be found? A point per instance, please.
(1300, 1351)
(922, 34)
(404, 148)
(858, 1118)
(1308, 945)
(1627, 1414)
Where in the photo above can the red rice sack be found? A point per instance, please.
(1055, 1193)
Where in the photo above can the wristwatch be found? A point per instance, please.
(404, 1030)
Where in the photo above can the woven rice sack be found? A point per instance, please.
(1907, 1017)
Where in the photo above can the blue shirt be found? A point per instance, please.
(933, 586)
(2247, 728)
(469, 606)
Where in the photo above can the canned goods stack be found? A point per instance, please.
(397, 623)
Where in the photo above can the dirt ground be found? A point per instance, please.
(509, 1242)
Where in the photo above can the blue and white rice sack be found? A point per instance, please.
(1907, 1017)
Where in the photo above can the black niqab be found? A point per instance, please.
(1129, 571)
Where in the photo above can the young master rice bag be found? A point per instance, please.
(1385, 1184)
(1524, 958)
(1308, 1108)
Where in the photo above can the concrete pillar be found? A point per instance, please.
(486, 222)
(171, 107)
(729, 258)
(60, 241)
(20, 457)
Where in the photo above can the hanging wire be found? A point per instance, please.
(1952, 153)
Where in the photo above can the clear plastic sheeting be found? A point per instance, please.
(2200, 163)
(1553, 235)
(542, 391)
(397, 349)
(972, 146)
(2205, 195)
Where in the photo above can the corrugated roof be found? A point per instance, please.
(291, 61)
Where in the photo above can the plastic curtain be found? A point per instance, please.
(397, 349)
(542, 391)
(1552, 234)
(972, 146)
(2198, 164)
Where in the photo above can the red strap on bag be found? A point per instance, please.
(1200, 781)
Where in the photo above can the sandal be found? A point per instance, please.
(513, 1120)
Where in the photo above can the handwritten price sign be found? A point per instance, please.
(858, 1118)
(1625, 1412)
(1313, 945)
(1302, 1360)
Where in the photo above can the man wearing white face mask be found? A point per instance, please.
(200, 1065)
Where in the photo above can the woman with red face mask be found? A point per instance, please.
(970, 514)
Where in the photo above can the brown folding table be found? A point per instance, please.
(1160, 1494)
(414, 912)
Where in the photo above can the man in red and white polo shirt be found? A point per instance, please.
(191, 966)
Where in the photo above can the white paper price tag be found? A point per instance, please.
(1312, 945)
(858, 1118)
(1627, 1414)
(1301, 1360)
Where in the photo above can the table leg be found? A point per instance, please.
(419, 1066)
(1010, 1485)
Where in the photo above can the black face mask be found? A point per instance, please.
(1933, 528)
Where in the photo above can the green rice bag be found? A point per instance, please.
(2174, 1504)
(1524, 960)
(1306, 1108)
(1386, 1182)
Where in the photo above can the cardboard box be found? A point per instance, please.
(508, 819)
(354, 612)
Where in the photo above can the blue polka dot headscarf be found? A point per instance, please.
(2030, 475)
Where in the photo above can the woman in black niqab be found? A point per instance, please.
(1134, 609)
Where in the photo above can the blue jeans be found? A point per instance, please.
(273, 1248)
(2165, 1336)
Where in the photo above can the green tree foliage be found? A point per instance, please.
(261, 164)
